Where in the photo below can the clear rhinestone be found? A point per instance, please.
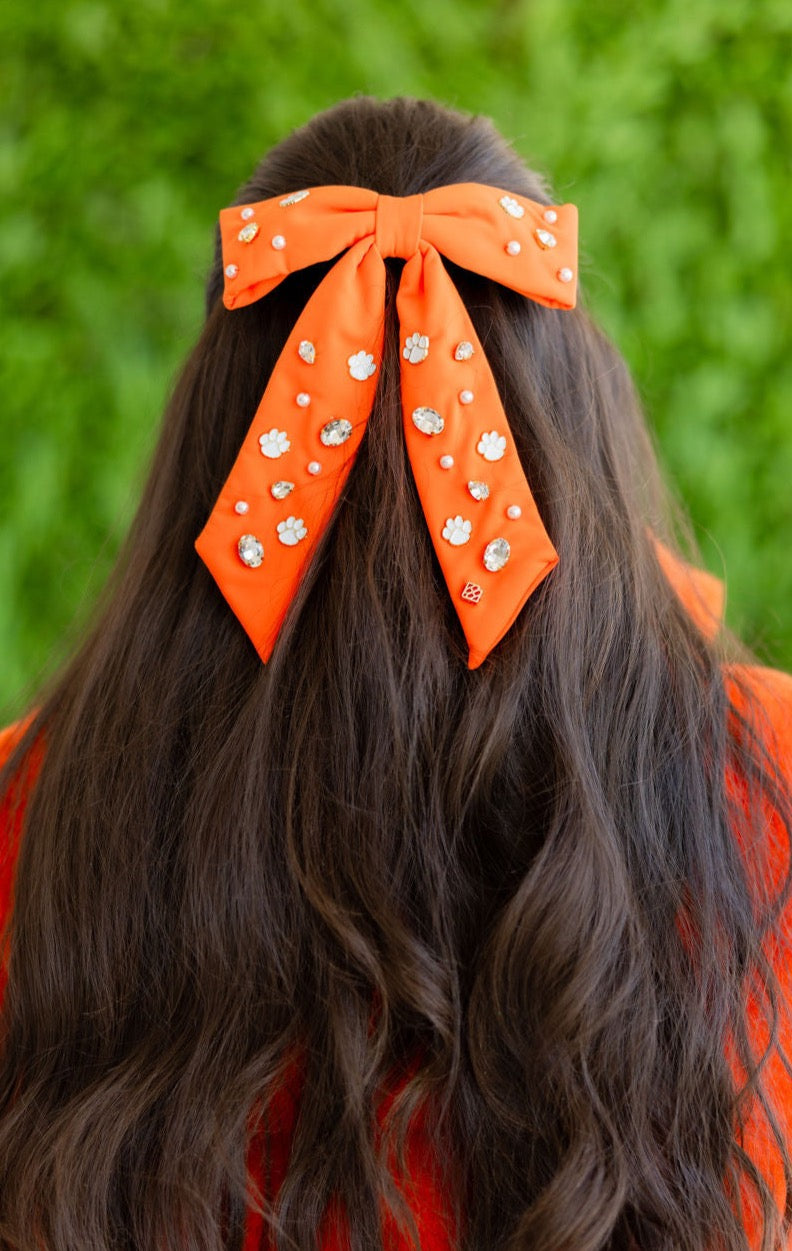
(294, 198)
(466, 397)
(511, 206)
(247, 213)
(335, 432)
(479, 490)
(428, 420)
(251, 551)
(279, 490)
(446, 462)
(278, 242)
(514, 511)
(496, 554)
(550, 216)
(248, 233)
(463, 351)
(306, 351)
(231, 271)
(544, 238)
(513, 247)
(241, 507)
(303, 399)
(565, 274)
(314, 466)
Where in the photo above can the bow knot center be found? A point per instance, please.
(399, 223)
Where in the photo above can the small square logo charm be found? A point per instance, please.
(471, 591)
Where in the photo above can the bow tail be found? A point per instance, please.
(489, 538)
(295, 458)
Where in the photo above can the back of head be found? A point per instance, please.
(368, 851)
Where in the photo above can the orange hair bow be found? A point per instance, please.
(485, 527)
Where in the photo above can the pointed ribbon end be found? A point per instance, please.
(476, 658)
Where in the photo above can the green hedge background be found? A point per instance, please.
(128, 125)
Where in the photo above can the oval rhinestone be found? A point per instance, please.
(248, 233)
(463, 351)
(496, 554)
(544, 238)
(427, 420)
(251, 551)
(294, 198)
(306, 351)
(335, 432)
(279, 490)
(479, 490)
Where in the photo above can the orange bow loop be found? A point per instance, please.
(265, 241)
(279, 497)
(516, 242)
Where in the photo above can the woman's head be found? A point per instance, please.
(223, 860)
(551, 367)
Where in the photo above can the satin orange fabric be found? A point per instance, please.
(490, 541)
(770, 696)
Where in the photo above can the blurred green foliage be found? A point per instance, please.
(127, 126)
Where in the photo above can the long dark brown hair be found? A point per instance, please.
(224, 862)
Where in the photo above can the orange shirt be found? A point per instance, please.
(772, 691)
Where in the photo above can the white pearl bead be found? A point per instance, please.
(247, 213)
(446, 462)
(303, 399)
(514, 511)
(314, 466)
(278, 242)
(241, 507)
(551, 216)
(513, 247)
(231, 271)
(566, 274)
(466, 397)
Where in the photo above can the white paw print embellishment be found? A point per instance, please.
(416, 348)
(274, 443)
(457, 531)
(511, 206)
(491, 445)
(361, 365)
(291, 531)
